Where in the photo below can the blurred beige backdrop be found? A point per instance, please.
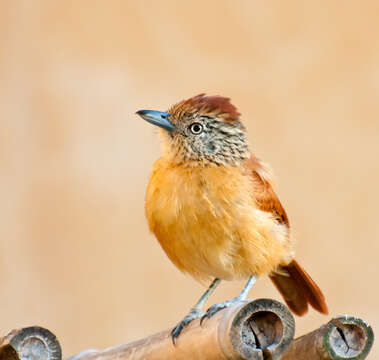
(76, 254)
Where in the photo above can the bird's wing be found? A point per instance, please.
(264, 194)
(293, 282)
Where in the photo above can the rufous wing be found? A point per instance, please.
(293, 282)
(263, 191)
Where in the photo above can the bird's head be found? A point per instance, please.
(201, 130)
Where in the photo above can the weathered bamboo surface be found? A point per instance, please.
(31, 343)
(247, 330)
(262, 329)
(343, 337)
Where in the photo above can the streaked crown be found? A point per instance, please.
(213, 106)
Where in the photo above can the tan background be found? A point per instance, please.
(76, 255)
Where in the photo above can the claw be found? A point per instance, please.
(203, 318)
(175, 332)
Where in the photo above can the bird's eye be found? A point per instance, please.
(196, 128)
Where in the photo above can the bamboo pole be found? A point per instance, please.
(31, 343)
(344, 337)
(261, 329)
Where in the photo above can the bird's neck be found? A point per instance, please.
(181, 157)
(206, 161)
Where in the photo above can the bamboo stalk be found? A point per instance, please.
(344, 337)
(262, 329)
(257, 330)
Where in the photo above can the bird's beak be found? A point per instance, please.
(157, 118)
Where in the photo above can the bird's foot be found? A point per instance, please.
(217, 307)
(192, 315)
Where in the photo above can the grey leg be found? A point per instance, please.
(242, 296)
(195, 312)
(248, 286)
(206, 295)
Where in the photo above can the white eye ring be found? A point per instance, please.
(196, 128)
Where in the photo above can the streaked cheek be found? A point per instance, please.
(211, 147)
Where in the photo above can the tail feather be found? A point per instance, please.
(298, 289)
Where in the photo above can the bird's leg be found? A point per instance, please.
(217, 307)
(195, 311)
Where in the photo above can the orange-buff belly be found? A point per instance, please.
(208, 223)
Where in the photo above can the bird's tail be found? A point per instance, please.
(298, 289)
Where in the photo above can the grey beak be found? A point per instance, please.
(157, 118)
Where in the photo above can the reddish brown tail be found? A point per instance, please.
(298, 289)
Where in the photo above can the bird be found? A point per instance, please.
(211, 204)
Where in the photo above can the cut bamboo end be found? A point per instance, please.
(261, 329)
(342, 338)
(348, 337)
(31, 343)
